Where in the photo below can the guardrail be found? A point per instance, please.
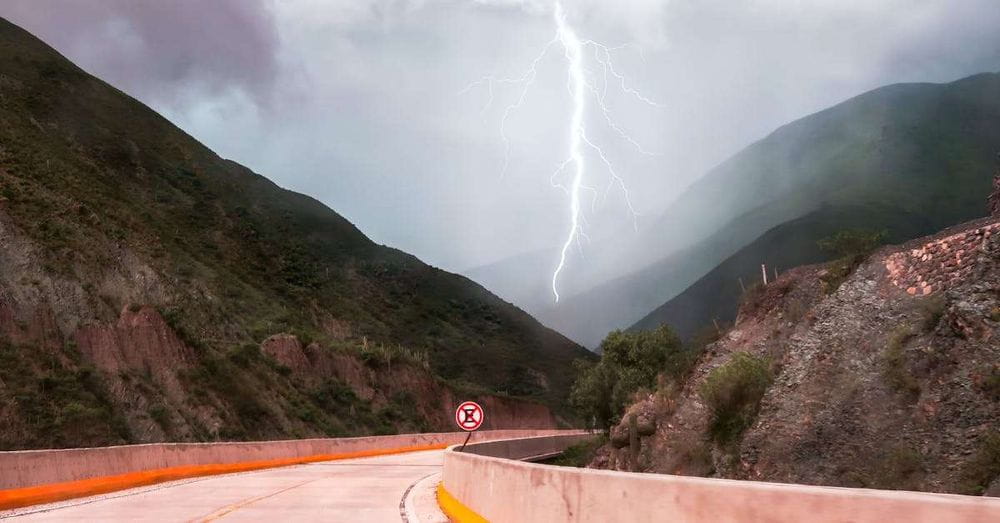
(40, 476)
(485, 482)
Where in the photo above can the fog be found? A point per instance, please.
(360, 103)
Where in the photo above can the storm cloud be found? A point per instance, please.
(161, 51)
(359, 102)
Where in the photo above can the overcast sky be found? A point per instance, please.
(359, 103)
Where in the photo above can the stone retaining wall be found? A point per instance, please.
(939, 263)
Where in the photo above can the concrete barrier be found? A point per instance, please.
(25, 468)
(485, 481)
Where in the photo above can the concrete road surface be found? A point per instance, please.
(369, 490)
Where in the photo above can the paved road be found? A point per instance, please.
(369, 490)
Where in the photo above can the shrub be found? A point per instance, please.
(851, 247)
(691, 455)
(898, 469)
(733, 392)
(160, 415)
(984, 467)
(894, 360)
(991, 383)
(246, 354)
(629, 361)
(932, 309)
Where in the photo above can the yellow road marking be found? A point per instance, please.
(454, 508)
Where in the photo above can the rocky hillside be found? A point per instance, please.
(888, 378)
(143, 280)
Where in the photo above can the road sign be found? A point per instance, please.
(469, 416)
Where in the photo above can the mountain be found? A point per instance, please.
(714, 297)
(151, 290)
(889, 379)
(920, 150)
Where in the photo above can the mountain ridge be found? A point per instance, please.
(106, 207)
(922, 147)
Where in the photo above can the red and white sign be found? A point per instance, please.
(469, 416)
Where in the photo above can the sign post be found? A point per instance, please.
(469, 416)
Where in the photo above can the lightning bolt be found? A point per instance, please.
(579, 83)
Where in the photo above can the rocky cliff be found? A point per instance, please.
(888, 379)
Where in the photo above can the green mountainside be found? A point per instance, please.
(107, 207)
(909, 150)
(715, 296)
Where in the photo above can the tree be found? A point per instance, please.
(629, 361)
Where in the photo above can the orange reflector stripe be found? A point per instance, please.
(26, 496)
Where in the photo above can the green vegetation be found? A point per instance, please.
(718, 294)
(733, 392)
(383, 356)
(93, 177)
(851, 247)
(899, 468)
(932, 309)
(991, 382)
(630, 361)
(161, 416)
(343, 413)
(984, 467)
(895, 467)
(894, 361)
(580, 454)
(911, 159)
(852, 243)
(61, 402)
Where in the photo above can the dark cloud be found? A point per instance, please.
(363, 107)
(160, 51)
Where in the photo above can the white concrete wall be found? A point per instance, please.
(39, 467)
(502, 490)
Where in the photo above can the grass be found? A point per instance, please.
(733, 392)
(384, 355)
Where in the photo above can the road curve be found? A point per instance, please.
(363, 489)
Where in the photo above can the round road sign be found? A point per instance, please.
(469, 416)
